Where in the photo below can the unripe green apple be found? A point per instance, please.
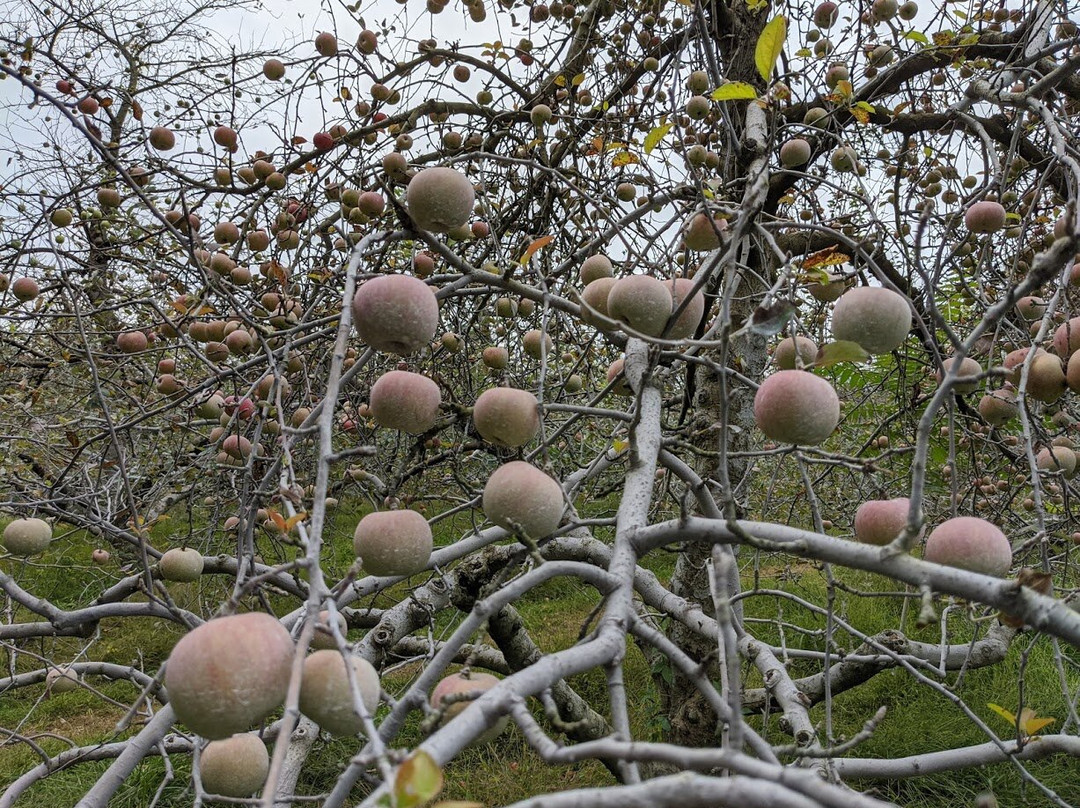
(181, 564)
(27, 537)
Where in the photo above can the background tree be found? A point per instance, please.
(492, 310)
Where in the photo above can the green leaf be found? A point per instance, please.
(734, 91)
(418, 780)
(866, 105)
(840, 351)
(652, 140)
(769, 45)
(917, 36)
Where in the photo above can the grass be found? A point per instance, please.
(919, 719)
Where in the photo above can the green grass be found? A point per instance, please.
(918, 719)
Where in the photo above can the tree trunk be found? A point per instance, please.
(722, 408)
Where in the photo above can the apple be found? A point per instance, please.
(27, 537)
(985, 217)
(181, 564)
(162, 138)
(440, 199)
(795, 346)
(969, 543)
(877, 319)
(451, 695)
(522, 499)
(327, 699)
(406, 401)
(506, 416)
(795, 152)
(393, 542)
(642, 302)
(879, 521)
(229, 673)
(235, 766)
(795, 406)
(395, 313)
(326, 44)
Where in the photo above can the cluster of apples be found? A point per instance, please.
(795, 406)
(966, 542)
(399, 314)
(642, 302)
(233, 672)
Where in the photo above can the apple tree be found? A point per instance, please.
(325, 352)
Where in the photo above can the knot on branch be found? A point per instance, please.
(382, 637)
(474, 575)
(890, 639)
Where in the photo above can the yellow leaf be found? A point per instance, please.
(560, 81)
(734, 91)
(543, 241)
(652, 140)
(620, 446)
(1029, 722)
(344, 93)
(293, 521)
(861, 115)
(829, 257)
(576, 80)
(624, 158)
(1003, 713)
(769, 45)
(418, 780)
